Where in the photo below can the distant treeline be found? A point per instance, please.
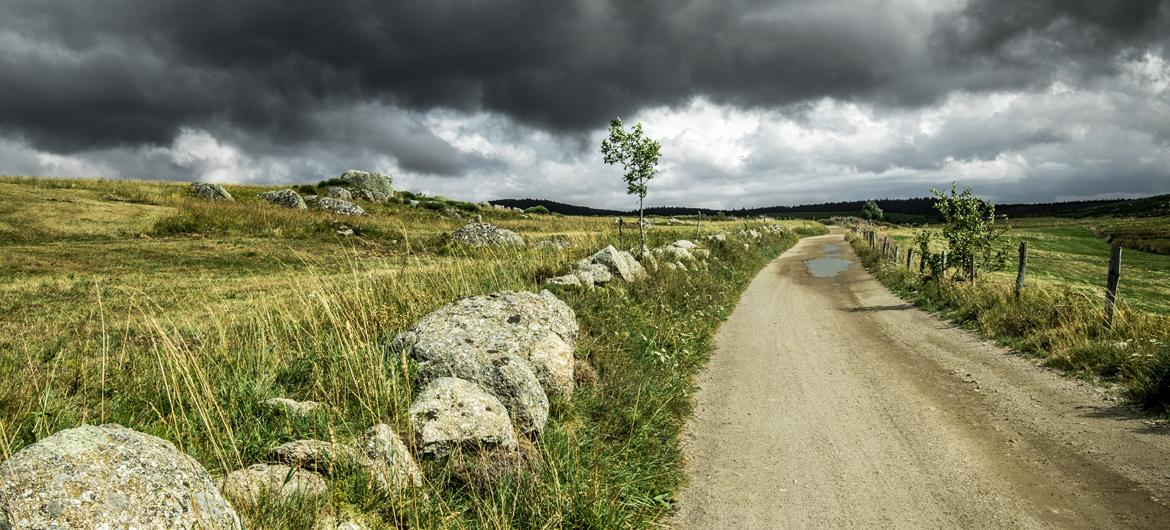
(901, 210)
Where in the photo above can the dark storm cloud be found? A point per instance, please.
(79, 75)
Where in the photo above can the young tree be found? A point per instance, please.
(638, 156)
(970, 228)
(871, 211)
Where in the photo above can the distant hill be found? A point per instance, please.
(918, 209)
(557, 207)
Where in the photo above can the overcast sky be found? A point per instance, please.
(755, 102)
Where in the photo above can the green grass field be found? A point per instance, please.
(1070, 253)
(131, 302)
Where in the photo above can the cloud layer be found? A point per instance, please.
(756, 102)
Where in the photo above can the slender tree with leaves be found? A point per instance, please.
(970, 229)
(638, 156)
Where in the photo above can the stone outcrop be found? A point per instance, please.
(286, 198)
(451, 414)
(209, 191)
(486, 235)
(109, 477)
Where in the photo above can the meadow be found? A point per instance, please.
(1072, 253)
(134, 303)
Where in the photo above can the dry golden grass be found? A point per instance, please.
(177, 317)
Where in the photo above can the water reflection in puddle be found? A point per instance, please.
(827, 267)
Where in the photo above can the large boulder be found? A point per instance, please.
(375, 187)
(108, 477)
(461, 338)
(621, 263)
(275, 482)
(451, 414)
(286, 198)
(486, 235)
(339, 206)
(209, 191)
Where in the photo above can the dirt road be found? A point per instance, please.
(830, 403)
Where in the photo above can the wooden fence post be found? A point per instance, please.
(971, 269)
(909, 257)
(922, 263)
(698, 225)
(1023, 267)
(1111, 286)
(944, 263)
(621, 233)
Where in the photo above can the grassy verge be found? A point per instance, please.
(135, 305)
(1059, 323)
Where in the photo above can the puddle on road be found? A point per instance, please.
(828, 267)
(832, 249)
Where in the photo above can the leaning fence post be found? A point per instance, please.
(909, 257)
(971, 269)
(1022, 269)
(1111, 287)
(621, 233)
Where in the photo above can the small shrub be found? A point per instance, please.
(538, 209)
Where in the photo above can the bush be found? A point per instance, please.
(538, 209)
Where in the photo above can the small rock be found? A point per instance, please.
(568, 280)
(293, 407)
(339, 206)
(286, 198)
(389, 461)
(584, 374)
(338, 192)
(315, 455)
(484, 235)
(552, 244)
(451, 414)
(277, 482)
